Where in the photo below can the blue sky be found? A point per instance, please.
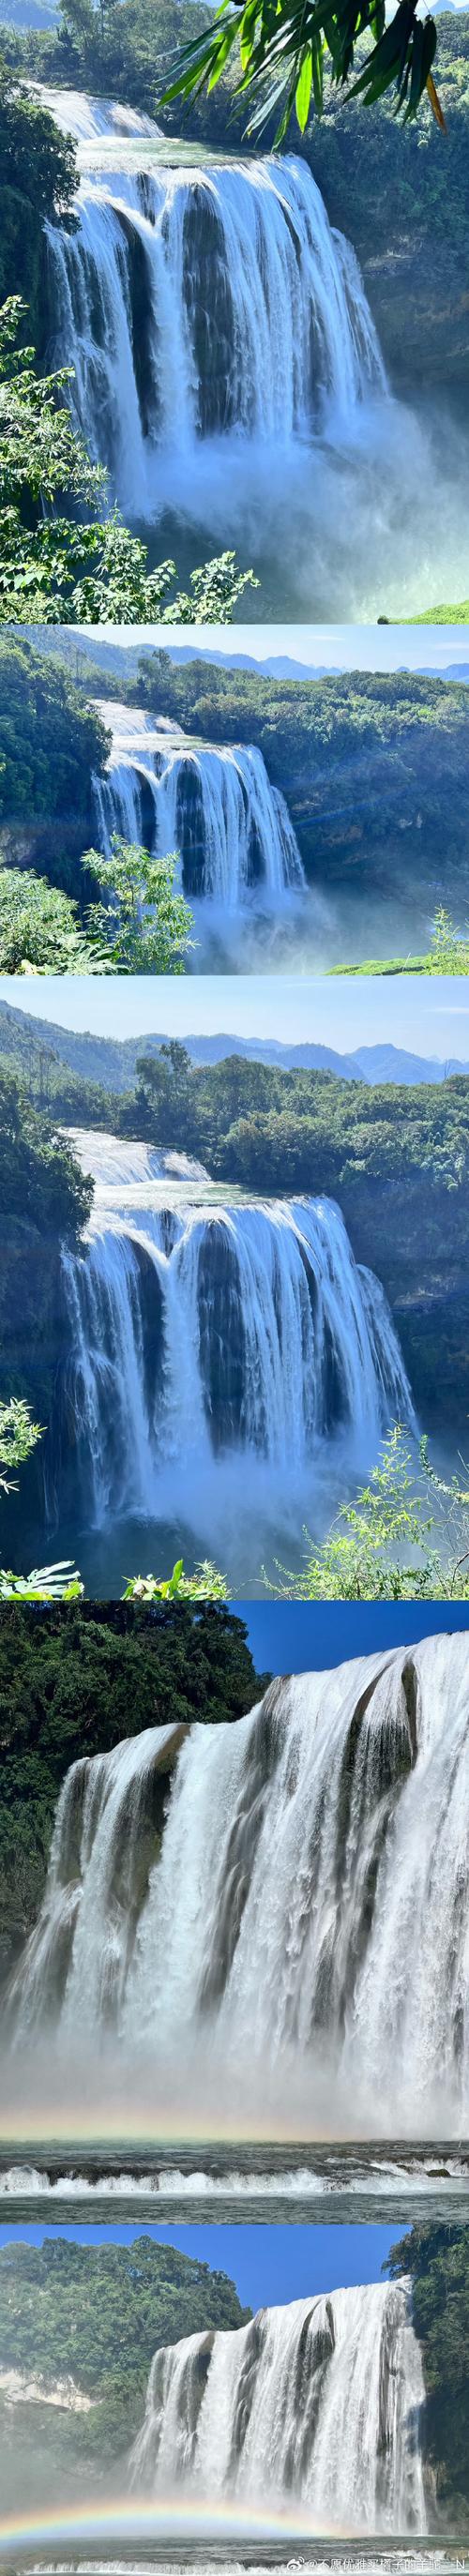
(349, 648)
(268, 2264)
(426, 1018)
(310, 1636)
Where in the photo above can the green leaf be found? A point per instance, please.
(303, 90)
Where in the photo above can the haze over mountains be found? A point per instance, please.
(112, 1061)
(123, 659)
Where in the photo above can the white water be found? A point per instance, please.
(249, 314)
(87, 118)
(435, 2180)
(202, 1332)
(313, 2404)
(228, 373)
(214, 807)
(115, 1163)
(301, 1937)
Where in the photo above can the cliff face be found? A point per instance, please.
(417, 1239)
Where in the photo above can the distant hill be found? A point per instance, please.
(112, 1061)
(123, 659)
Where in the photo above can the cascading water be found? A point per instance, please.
(228, 374)
(90, 119)
(297, 1927)
(315, 2404)
(198, 302)
(198, 1331)
(215, 807)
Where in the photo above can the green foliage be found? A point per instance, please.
(449, 955)
(40, 931)
(46, 1583)
(143, 923)
(90, 571)
(401, 1540)
(444, 616)
(37, 183)
(437, 2259)
(97, 2314)
(205, 1583)
(282, 45)
(18, 1436)
(76, 1679)
(35, 157)
(38, 1173)
(45, 1201)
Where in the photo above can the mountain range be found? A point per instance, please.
(112, 1061)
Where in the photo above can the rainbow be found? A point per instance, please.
(165, 2522)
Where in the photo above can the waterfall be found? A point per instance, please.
(91, 119)
(198, 1330)
(195, 302)
(315, 2404)
(297, 1924)
(114, 1163)
(214, 807)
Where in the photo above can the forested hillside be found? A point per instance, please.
(95, 2315)
(51, 742)
(76, 1681)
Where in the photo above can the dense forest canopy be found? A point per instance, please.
(77, 1681)
(97, 2314)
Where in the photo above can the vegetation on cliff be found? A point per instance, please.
(63, 553)
(96, 2314)
(76, 1680)
(37, 186)
(437, 2259)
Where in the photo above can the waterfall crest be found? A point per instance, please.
(316, 2403)
(215, 807)
(307, 1907)
(90, 119)
(197, 1331)
(195, 302)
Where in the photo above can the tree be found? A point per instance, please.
(79, 1677)
(397, 1541)
(144, 925)
(35, 158)
(98, 2313)
(40, 931)
(18, 1436)
(282, 46)
(53, 568)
